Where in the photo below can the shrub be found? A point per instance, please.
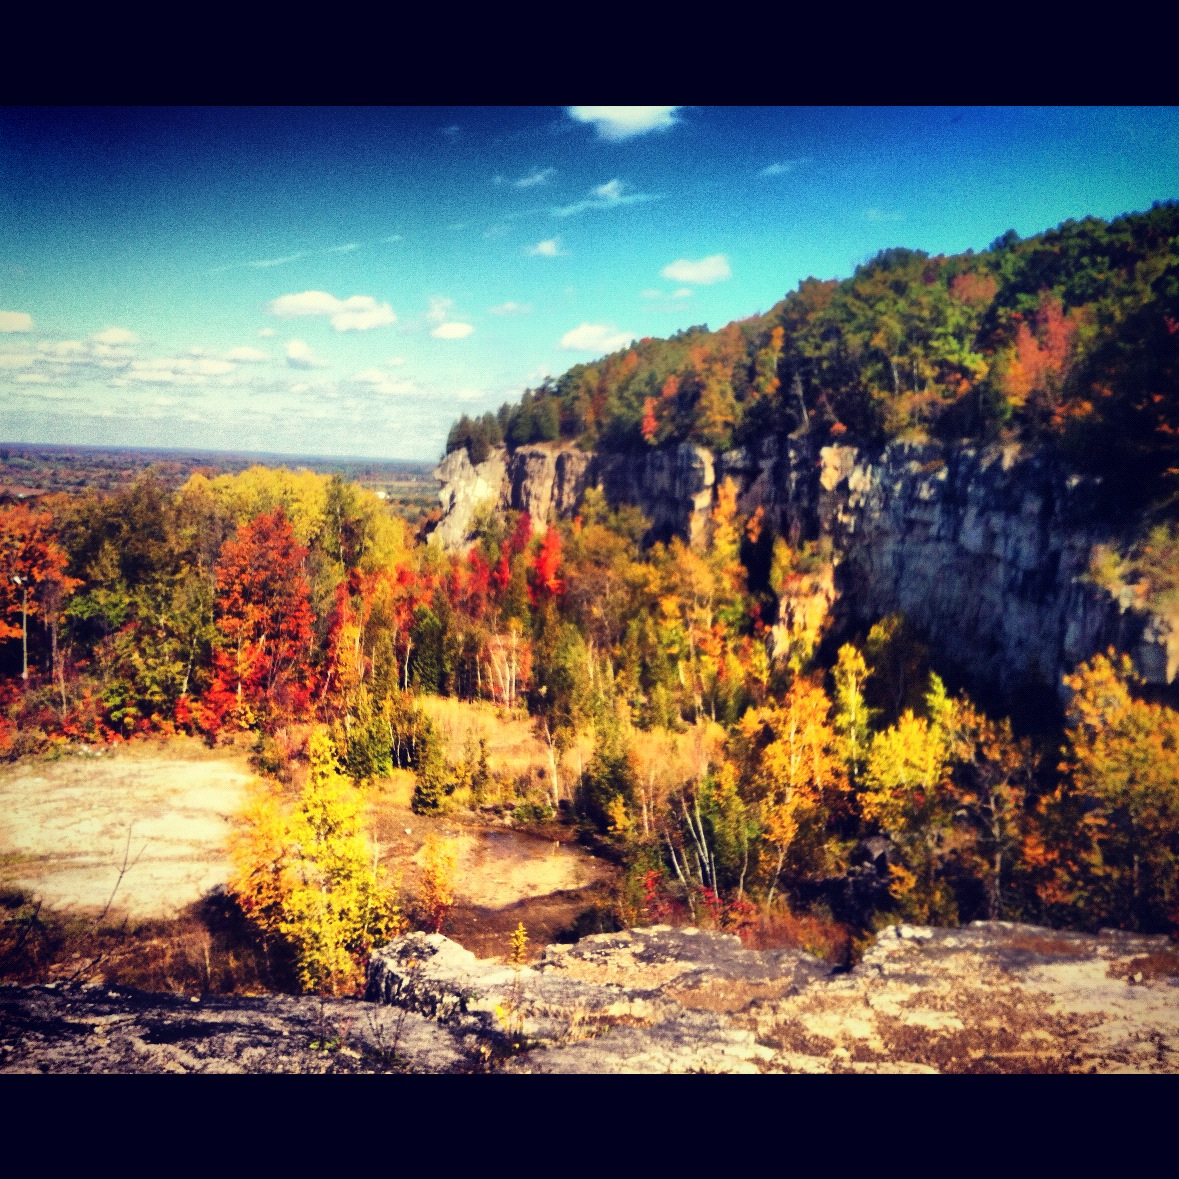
(311, 876)
(436, 892)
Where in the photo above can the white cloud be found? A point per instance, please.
(395, 361)
(452, 331)
(610, 195)
(355, 314)
(511, 307)
(535, 177)
(882, 215)
(594, 337)
(347, 248)
(784, 168)
(681, 293)
(266, 333)
(714, 268)
(15, 321)
(546, 249)
(247, 355)
(393, 237)
(299, 355)
(616, 123)
(115, 335)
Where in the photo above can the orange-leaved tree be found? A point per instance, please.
(32, 576)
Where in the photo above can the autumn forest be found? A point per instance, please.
(831, 789)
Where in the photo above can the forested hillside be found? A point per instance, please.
(1068, 338)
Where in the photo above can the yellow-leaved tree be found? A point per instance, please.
(908, 793)
(1108, 837)
(310, 874)
(799, 776)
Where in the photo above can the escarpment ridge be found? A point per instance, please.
(985, 549)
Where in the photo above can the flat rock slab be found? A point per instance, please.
(68, 826)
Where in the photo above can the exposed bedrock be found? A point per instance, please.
(985, 549)
(989, 997)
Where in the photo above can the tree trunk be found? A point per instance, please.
(24, 632)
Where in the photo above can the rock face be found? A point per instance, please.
(466, 491)
(546, 482)
(990, 997)
(987, 552)
(985, 549)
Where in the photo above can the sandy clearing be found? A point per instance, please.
(64, 829)
(64, 826)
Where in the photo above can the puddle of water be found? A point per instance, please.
(497, 868)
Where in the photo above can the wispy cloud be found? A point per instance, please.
(785, 167)
(266, 332)
(714, 268)
(550, 248)
(511, 307)
(248, 355)
(439, 306)
(300, 355)
(15, 321)
(451, 131)
(535, 177)
(346, 248)
(875, 214)
(681, 293)
(606, 196)
(357, 313)
(616, 123)
(380, 381)
(393, 237)
(595, 337)
(266, 263)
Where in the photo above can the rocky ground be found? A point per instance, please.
(990, 997)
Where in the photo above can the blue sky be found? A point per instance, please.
(347, 281)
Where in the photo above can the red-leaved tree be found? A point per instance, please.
(262, 660)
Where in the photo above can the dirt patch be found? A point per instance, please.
(558, 917)
(163, 808)
(1164, 964)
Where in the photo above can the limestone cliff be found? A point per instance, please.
(985, 549)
